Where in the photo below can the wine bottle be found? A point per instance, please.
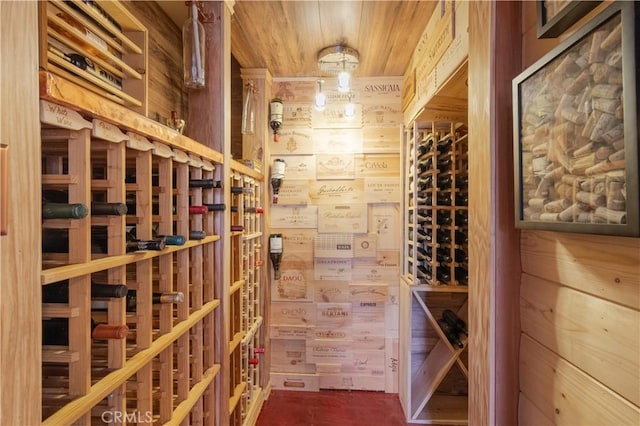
(197, 235)
(276, 108)
(455, 321)
(425, 183)
(157, 298)
(462, 199)
(424, 166)
(424, 272)
(204, 183)
(218, 207)
(443, 275)
(444, 144)
(63, 210)
(460, 256)
(422, 254)
(461, 238)
(444, 165)
(58, 292)
(134, 244)
(97, 208)
(55, 331)
(461, 275)
(193, 210)
(424, 234)
(443, 218)
(444, 182)
(172, 240)
(443, 236)
(450, 333)
(275, 253)
(236, 190)
(236, 228)
(462, 181)
(277, 174)
(462, 218)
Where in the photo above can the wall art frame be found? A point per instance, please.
(554, 17)
(576, 131)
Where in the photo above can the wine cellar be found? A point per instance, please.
(206, 219)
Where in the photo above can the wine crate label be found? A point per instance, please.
(335, 166)
(377, 165)
(382, 190)
(297, 240)
(391, 365)
(162, 150)
(107, 131)
(296, 115)
(294, 91)
(180, 157)
(294, 192)
(388, 258)
(60, 116)
(293, 313)
(138, 142)
(375, 90)
(299, 167)
(294, 217)
(337, 192)
(331, 291)
(385, 221)
(329, 351)
(289, 356)
(195, 161)
(296, 382)
(364, 245)
(364, 340)
(333, 117)
(333, 321)
(333, 245)
(378, 140)
(332, 269)
(368, 270)
(382, 115)
(347, 218)
(291, 332)
(293, 141)
(351, 381)
(336, 141)
(296, 277)
(366, 362)
(368, 292)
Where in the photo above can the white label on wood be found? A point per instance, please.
(294, 217)
(107, 131)
(293, 141)
(382, 190)
(375, 90)
(381, 115)
(364, 245)
(381, 140)
(296, 116)
(377, 165)
(347, 218)
(333, 141)
(332, 269)
(335, 166)
(337, 192)
(333, 245)
(138, 142)
(299, 166)
(385, 221)
(293, 192)
(60, 116)
(162, 150)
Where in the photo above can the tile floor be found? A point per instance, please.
(331, 408)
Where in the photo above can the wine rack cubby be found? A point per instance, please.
(162, 363)
(435, 276)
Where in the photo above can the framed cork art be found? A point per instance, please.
(576, 131)
(554, 17)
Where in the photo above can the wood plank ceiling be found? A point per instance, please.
(286, 36)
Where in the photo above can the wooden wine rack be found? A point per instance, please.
(435, 274)
(246, 295)
(166, 367)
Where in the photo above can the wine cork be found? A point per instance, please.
(579, 165)
(568, 65)
(619, 114)
(570, 212)
(611, 216)
(614, 77)
(599, 72)
(565, 101)
(579, 83)
(589, 217)
(591, 199)
(604, 166)
(603, 152)
(618, 145)
(605, 123)
(613, 134)
(556, 206)
(537, 204)
(613, 39)
(549, 217)
(590, 124)
(596, 54)
(615, 198)
(609, 91)
(573, 115)
(583, 150)
(614, 59)
(606, 105)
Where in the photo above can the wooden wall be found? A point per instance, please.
(20, 326)
(580, 315)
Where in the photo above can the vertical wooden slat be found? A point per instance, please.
(196, 299)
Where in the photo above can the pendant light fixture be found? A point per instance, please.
(339, 60)
(350, 109)
(321, 98)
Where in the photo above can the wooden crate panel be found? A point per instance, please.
(332, 269)
(296, 116)
(392, 313)
(335, 166)
(297, 141)
(337, 192)
(352, 382)
(377, 165)
(332, 351)
(299, 167)
(365, 362)
(364, 245)
(293, 192)
(342, 218)
(331, 291)
(332, 117)
(364, 292)
(378, 140)
(294, 217)
(298, 241)
(291, 332)
(296, 277)
(369, 270)
(331, 141)
(293, 313)
(333, 321)
(382, 190)
(297, 382)
(385, 220)
(289, 356)
(333, 245)
(364, 339)
(391, 365)
(294, 91)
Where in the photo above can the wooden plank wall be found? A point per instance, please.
(580, 315)
(20, 328)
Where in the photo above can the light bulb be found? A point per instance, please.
(321, 98)
(344, 81)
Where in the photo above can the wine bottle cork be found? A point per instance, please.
(604, 124)
(614, 133)
(589, 217)
(549, 217)
(568, 65)
(615, 199)
(614, 76)
(614, 59)
(537, 203)
(608, 91)
(579, 83)
(606, 105)
(612, 40)
(599, 72)
(604, 166)
(579, 165)
(603, 153)
(611, 216)
(557, 206)
(596, 54)
(591, 199)
(583, 150)
(566, 101)
(573, 115)
(568, 214)
(590, 124)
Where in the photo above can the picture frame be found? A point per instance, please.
(554, 17)
(576, 131)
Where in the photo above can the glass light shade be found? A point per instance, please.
(321, 101)
(344, 80)
(193, 50)
(350, 110)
